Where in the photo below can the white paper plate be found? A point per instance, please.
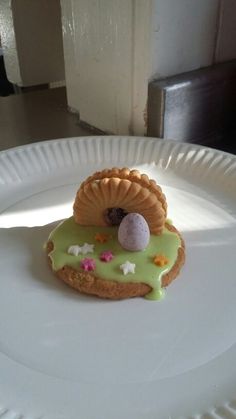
(64, 355)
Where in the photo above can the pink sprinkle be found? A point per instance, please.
(106, 256)
(88, 264)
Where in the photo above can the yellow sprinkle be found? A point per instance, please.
(102, 238)
(160, 260)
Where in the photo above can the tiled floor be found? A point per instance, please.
(35, 116)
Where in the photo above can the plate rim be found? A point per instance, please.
(111, 137)
(228, 408)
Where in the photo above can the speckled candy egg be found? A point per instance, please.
(133, 233)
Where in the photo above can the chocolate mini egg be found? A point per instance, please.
(133, 232)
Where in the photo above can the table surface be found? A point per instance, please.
(38, 115)
(43, 115)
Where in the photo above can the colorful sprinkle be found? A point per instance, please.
(160, 260)
(88, 264)
(75, 250)
(128, 267)
(106, 256)
(102, 238)
(87, 248)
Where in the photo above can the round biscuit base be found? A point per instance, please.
(87, 283)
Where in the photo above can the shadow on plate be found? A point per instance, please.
(27, 243)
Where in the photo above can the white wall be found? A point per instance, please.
(98, 60)
(225, 48)
(113, 48)
(183, 35)
(188, 34)
(8, 41)
(106, 45)
(31, 37)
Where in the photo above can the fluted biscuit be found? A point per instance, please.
(120, 188)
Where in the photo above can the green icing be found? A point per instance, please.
(69, 233)
(156, 294)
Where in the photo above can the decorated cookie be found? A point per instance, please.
(107, 196)
(118, 243)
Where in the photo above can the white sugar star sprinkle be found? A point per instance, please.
(87, 248)
(75, 250)
(128, 267)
